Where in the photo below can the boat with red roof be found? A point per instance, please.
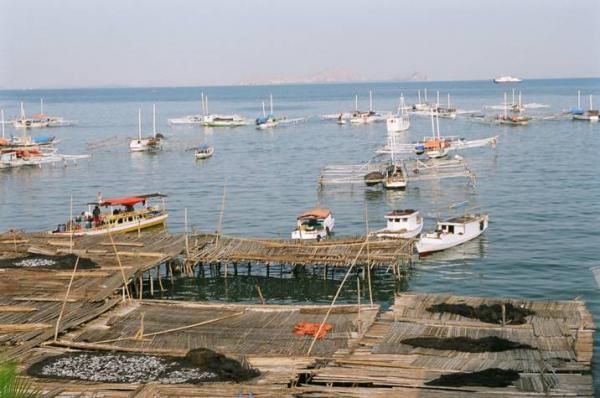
(117, 215)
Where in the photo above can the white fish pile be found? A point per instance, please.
(35, 262)
(120, 368)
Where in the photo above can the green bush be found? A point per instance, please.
(12, 386)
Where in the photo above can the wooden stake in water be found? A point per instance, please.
(222, 211)
(71, 223)
(368, 257)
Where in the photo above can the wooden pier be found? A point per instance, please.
(47, 311)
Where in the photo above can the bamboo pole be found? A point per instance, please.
(119, 262)
(368, 256)
(262, 299)
(64, 303)
(333, 301)
(221, 215)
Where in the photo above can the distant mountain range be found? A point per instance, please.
(329, 76)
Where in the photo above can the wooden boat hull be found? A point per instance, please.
(433, 242)
(120, 228)
(403, 234)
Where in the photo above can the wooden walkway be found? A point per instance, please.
(335, 252)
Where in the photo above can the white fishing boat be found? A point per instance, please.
(371, 116)
(422, 106)
(38, 120)
(513, 119)
(148, 144)
(394, 177)
(591, 115)
(507, 79)
(316, 223)
(119, 216)
(401, 224)
(267, 121)
(435, 146)
(452, 232)
(204, 151)
(400, 121)
(187, 120)
(216, 120)
(447, 112)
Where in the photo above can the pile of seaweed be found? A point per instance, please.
(40, 261)
(486, 313)
(492, 377)
(466, 344)
(199, 365)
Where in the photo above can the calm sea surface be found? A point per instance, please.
(540, 185)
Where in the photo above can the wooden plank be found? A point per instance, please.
(17, 308)
(22, 327)
(132, 244)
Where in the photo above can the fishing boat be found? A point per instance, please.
(401, 224)
(435, 146)
(119, 216)
(316, 223)
(394, 177)
(400, 121)
(452, 232)
(216, 120)
(422, 106)
(38, 120)
(591, 115)
(447, 112)
(185, 120)
(148, 144)
(359, 117)
(513, 119)
(204, 151)
(507, 79)
(374, 178)
(267, 121)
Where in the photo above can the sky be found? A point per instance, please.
(89, 43)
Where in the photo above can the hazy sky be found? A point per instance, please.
(73, 43)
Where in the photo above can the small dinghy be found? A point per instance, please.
(394, 178)
(204, 151)
(401, 224)
(317, 223)
(452, 232)
(374, 178)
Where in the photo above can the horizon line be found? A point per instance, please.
(299, 83)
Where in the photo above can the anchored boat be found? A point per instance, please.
(507, 79)
(401, 224)
(400, 121)
(119, 216)
(591, 115)
(452, 232)
(204, 151)
(148, 144)
(316, 223)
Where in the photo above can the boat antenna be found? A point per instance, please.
(356, 102)
(271, 102)
(264, 112)
(140, 123)
(505, 106)
(2, 113)
(154, 120)
(370, 101)
(41, 105)
(578, 99)
(22, 111)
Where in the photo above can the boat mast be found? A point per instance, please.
(513, 97)
(505, 106)
(42, 106)
(264, 112)
(448, 100)
(140, 124)
(154, 120)
(271, 103)
(437, 103)
(432, 126)
(425, 95)
(419, 92)
(437, 122)
(591, 107)
(356, 102)
(202, 102)
(22, 111)
(578, 99)
(370, 101)
(519, 101)
(402, 105)
(2, 114)
(206, 105)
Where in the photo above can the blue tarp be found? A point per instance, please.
(576, 111)
(42, 139)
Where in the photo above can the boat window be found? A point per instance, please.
(481, 225)
(130, 219)
(404, 220)
(451, 229)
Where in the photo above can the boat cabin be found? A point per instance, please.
(403, 220)
(462, 225)
(315, 223)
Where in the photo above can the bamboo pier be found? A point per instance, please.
(91, 303)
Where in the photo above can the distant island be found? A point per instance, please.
(329, 76)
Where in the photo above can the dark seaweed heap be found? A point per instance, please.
(225, 368)
(466, 344)
(492, 377)
(486, 313)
